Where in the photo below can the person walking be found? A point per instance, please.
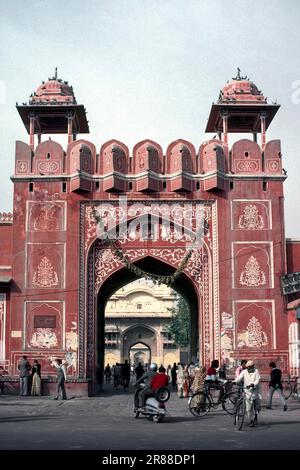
(174, 376)
(61, 378)
(125, 374)
(107, 374)
(275, 384)
(139, 370)
(36, 387)
(251, 380)
(180, 380)
(24, 368)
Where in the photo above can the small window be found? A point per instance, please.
(139, 306)
(97, 185)
(164, 184)
(30, 187)
(197, 185)
(64, 187)
(231, 184)
(48, 155)
(246, 154)
(265, 186)
(130, 185)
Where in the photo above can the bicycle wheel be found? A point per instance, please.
(287, 391)
(229, 402)
(240, 414)
(199, 404)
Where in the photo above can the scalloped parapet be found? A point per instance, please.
(6, 217)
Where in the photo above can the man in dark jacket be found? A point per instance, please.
(275, 384)
(24, 368)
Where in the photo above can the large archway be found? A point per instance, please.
(102, 272)
(118, 279)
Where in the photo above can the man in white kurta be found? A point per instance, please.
(250, 378)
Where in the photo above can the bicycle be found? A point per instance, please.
(201, 402)
(291, 388)
(240, 409)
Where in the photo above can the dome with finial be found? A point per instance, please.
(241, 89)
(53, 92)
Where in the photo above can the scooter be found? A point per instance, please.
(155, 406)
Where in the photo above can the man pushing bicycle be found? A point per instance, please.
(250, 378)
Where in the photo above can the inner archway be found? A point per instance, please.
(139, 353)
(183, 285)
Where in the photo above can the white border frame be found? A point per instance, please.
(260, 201)
(63, 323)
(3, 333)
(254, 301)
(253, 243)
(63, 284)
(31, 203)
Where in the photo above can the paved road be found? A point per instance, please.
(106, 422)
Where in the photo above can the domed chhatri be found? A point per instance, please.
(241, 108)
(54, 91)
(241, 89)
(53, 109)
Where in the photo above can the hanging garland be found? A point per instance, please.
(168, 280)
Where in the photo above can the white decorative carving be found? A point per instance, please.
(71, 360)
(251, 220)
(106, 262)
(252, 275)
(47, 219)
(273, 165)
(48, 167)
(6, 217)
(253, 336)
(71, 341)
(45, 276)
(44, 338)
(22, 166)
(190, 215)
(227, 320)
(247, 166)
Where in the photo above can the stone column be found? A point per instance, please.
(70, 117)
(225, 116)
(31, 129)
(263, 130)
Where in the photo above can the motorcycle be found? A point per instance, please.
(155, 406)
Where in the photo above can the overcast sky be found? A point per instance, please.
(151, 69)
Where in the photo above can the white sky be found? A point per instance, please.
(151, 69)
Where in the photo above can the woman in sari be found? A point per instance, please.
(36, 379)
(199, 379)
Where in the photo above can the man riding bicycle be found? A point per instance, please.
(250, 377)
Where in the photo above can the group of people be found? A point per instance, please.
(30, 377)
(120, 374)
(194, 378)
